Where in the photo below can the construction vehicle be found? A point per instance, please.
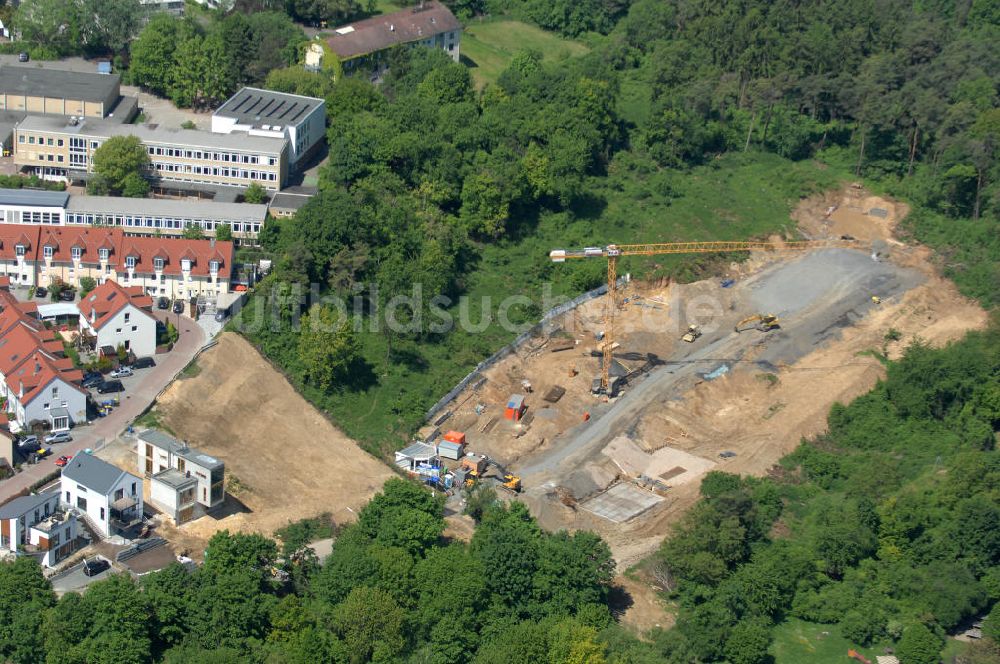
(477, 468)
(693, 332)
(613, 252)
(762, 322)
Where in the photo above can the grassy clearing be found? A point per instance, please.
(488, 47)
(738, 196)
(797, 641)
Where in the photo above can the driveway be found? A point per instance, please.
(140, 391)
(74, 580)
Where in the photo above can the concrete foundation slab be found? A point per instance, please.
(621, 502)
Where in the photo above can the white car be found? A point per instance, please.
(58, 437)
(121, 372)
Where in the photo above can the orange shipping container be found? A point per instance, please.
(455, 437)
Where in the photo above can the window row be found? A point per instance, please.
(228, 157)
(216, 171)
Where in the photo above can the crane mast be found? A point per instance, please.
(613, 252)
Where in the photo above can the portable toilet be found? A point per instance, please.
(515, 408)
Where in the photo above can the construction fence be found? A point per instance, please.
(533, 331)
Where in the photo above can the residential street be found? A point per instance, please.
(140, 390)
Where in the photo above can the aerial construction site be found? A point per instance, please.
(626, 458)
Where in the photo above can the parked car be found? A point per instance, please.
(58, 437)
(87, 375)
(27, 441)
(727, 454)
(23, 56)
(178, 307)
(93, 381)
(41, 291)
(95, 566)
(67, 295)
(163, 303)
(220, 316)
(110, 386)
(143, 363)
(121, 372)
(63, 460)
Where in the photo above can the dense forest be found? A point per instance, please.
(886, 527)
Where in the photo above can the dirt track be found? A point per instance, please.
(778, 389)
(289, 461)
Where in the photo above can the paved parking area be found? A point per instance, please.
(74, 580)
(621, 502)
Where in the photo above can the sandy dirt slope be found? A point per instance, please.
(289, 461)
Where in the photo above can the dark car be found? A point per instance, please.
(87, 375)
(95, 566)
(67, 295)
(143, 363)
(23, 56)
(41, 291)
(110, 386)
(178, 307)
(163, 303)
(93, 381)
(220, 315)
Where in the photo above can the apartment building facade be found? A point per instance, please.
(56, 149)
(171, 267)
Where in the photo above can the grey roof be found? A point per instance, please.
(253, 106)
(177, 448)
(289, 201)
(175, 479)
(380, 32)
(91, 472)
(15, 508)
(417, 451)
(191, 138)
(38, 82)
(165, 207)
(33, 197)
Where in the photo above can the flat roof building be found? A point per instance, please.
(54, 91)
(301, 120)
(429, 24)
(57, 149)
(135, 216)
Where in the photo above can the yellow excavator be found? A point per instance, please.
(762, 322)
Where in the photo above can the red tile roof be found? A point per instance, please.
(35, 373)
(174, 250)
(101, 304)
(91, 239)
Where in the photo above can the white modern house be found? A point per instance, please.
(301, 120)
(109, 497)
(184, 483)
(36, 525)
(118, 316)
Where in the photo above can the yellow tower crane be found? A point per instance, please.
(613, 252)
